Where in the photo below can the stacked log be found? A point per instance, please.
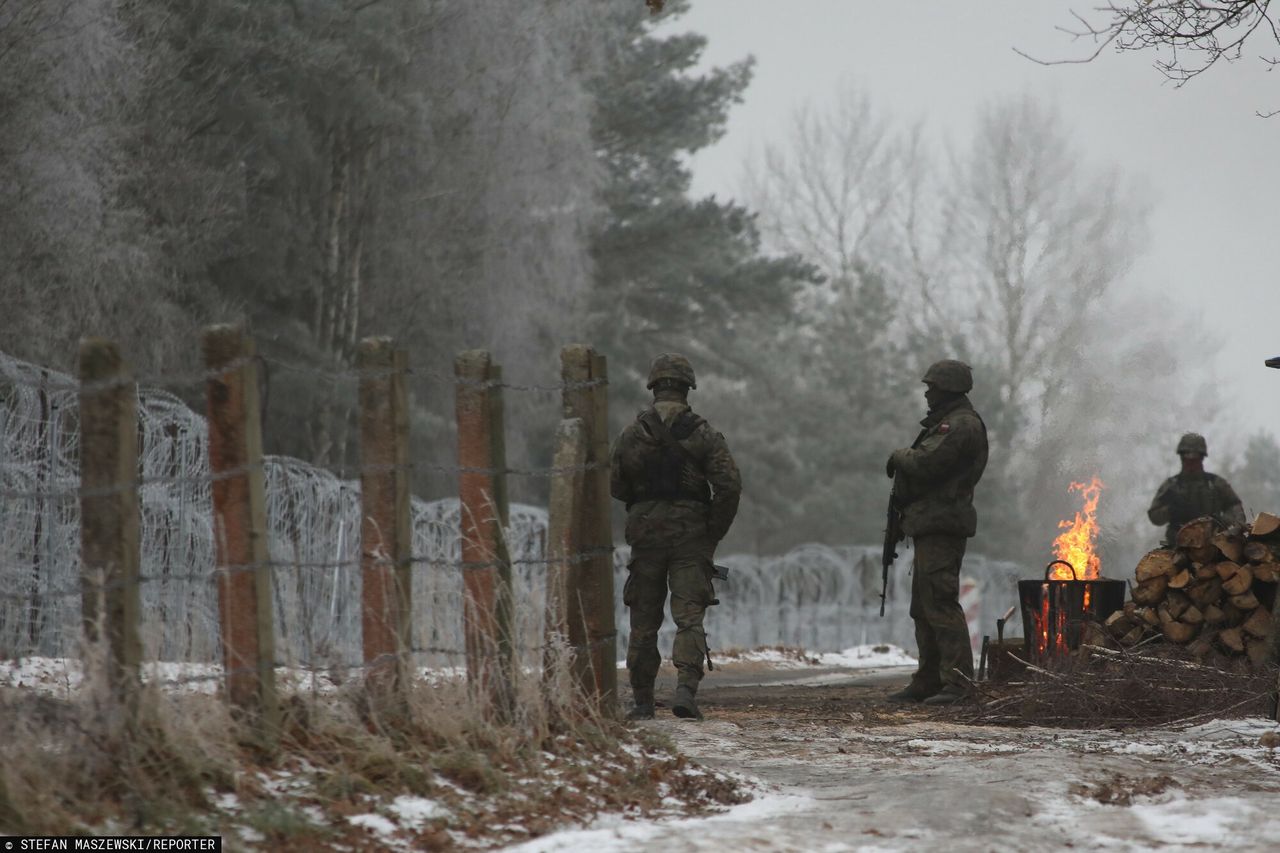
(1214, 593)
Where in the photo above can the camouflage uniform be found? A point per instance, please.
(681, 498)
(1193, 494)
(934, 481)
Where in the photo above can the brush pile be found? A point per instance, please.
(1123, 688)
(1213, 594)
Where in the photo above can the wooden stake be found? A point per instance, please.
(386, 534)
(486, 565)
(240, 526)
(564, 509)
(592, 632)
(109, 537)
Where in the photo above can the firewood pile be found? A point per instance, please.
(1213, 594)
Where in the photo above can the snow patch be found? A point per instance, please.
(413, 812)
(868, 657)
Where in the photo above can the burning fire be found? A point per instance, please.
(1077, 543)
(1076, 546)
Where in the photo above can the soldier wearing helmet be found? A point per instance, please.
(681, 489)
(934, 481)
(1194, 493)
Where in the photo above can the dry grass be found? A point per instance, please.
(1124, 689)
(78, 766)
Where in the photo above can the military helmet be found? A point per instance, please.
(1193, 442)
(671, 365)
(950, 375)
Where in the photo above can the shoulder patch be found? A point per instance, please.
(944, 427)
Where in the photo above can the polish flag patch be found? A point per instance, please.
(944, 428)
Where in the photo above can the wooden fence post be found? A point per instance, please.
(386, 534)
(240, 526)
(109, 536)
(592, 631)
(564, 508)
(486, 565)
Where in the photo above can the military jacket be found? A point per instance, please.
(703, 508)
(1186, 496)
(934, 479)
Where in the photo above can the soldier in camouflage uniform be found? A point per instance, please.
(681, 488)
(933, 488)
(1194, 493)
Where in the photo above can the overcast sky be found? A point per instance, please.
(1213, 166)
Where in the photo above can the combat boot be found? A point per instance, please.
(915, 692)
(949, 695)
(684, 705)
(641, 704)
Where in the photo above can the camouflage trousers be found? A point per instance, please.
(685, 570)
(942, 634)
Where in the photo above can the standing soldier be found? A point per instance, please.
(1193, 493)
(934, 481)
(681, 487)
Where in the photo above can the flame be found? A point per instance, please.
(1077, 542)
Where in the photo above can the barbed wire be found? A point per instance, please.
(89, 584)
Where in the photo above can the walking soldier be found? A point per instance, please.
(681, 489)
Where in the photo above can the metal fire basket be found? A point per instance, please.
(1054, 612)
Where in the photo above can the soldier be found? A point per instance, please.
(934, 481)
(1193, 493)
(681, 488)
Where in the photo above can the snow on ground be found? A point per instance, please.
(62, 677)
(871, 656)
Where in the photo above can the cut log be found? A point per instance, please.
(1226, 569)
(1204, 593)
(1232, 639)
(1239, 582)
(1196, 534)
(1257, 651)
(1180, 580)
(1231, 545)
(1213, 615)
(1204, 554)
(1264, 525)
(1267, 572)
(1162, 611)
(1133, 637)
(1204, 571)
(1151, 591)
(1130, 607)
(1202, 645)
(1149, 616)
(1177, 602)
(1178, 632)
(1118, 618)
(1093, 634)
(1258, 623)
(1245, 601)
(1258, 552)
(1155, 563)
(1232, 615)
(1193, 616)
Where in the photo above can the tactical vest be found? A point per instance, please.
(669, 472)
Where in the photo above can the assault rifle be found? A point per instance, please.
(892, 536)
(1273, 362)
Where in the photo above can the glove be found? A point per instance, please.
(891, 467)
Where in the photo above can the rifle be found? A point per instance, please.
(1273, 362)
(892, 536)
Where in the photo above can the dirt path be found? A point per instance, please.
(838, 769)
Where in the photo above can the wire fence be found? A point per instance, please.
(313, 531)
(819, 597)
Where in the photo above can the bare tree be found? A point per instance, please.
(1188, 36)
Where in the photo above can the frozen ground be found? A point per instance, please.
(836, 769)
